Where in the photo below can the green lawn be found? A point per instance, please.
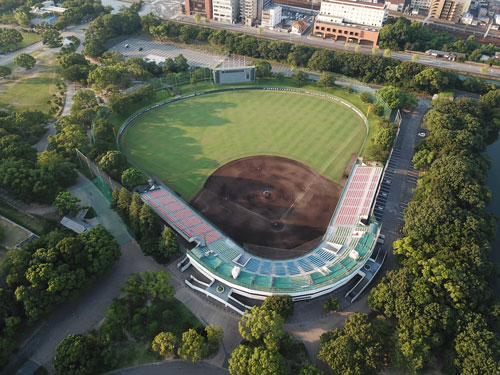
(31, 89)
(28, 38)
(185, 142)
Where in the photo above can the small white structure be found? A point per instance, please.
(235, 272)
(67, 42)
(158, 60)
(48, 7)
(497, 19)
(467, 19)
(353, 254)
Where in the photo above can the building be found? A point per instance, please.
(497, 19)
(420, 4)
(354, 12)
(452, 56)
(76, 225)
(448, 10)
(395, 5)
(251, 10)
(227, 11)
(467, 19)
(271, 16)
(234, 75)
(202, 7)
(47, 7)
(352, 21)
(299, 27)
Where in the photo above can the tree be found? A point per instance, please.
(11, 36)
(299, 77)
(263, 68)
(358, 349)
(164, 343)
(78, 355)
(193, 346)
(326, 80)
(261, 325)
(113, 162)
(331, 305)
(310, 370)
(52, 38)
(397, 99)
(238, 361)
(132, 177)
(366, 97)
(214, 333)
(65, 204)
(283, 305)
(67, 139)
(181, 63)
(148, 286)
(169, 245)
(5, 71)
(197, 18)
(266, 362)
(25, 61)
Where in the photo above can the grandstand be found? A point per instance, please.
(344, 249)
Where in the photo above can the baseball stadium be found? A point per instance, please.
(265, 186)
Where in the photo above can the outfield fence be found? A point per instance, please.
(380, 101)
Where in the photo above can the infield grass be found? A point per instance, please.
(183, 143)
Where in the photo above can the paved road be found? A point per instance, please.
(328, 43)
(78, 31)
(173, 368)
(86, 311)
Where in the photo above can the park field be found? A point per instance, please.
(183, 143)
(31, 89)
(28, 38)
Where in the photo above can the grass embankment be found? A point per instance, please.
(31, 89)
(36, 224)
(185, 142)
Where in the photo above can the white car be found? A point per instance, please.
(421, 135)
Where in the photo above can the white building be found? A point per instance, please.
(497, 19)
(225, 10)
(467, 19)
(355, 12)
(271, 16)
(395, 5)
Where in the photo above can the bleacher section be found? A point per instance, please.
(328, 263)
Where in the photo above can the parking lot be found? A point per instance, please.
(194, 57)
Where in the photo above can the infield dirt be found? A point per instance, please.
(275, 207)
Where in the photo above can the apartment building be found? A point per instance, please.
(448, 10)
(271, 16)
(251, 11)
(420, 4)
(226, 10)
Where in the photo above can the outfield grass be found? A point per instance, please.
(185, 142)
